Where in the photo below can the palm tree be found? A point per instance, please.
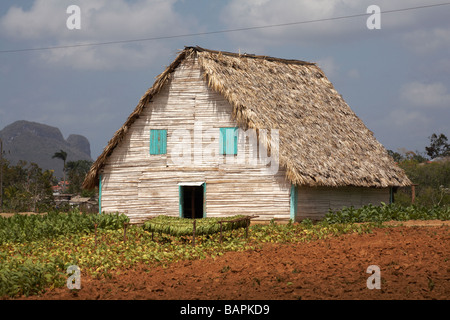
(63, 156)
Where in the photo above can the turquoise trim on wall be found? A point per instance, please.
(180, 196)
(293, 202)
(100, 194)
(204, 200)
(181, 199)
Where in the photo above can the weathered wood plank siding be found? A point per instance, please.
(314, 203)
(140, 184)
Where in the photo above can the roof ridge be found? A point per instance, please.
(250, 55)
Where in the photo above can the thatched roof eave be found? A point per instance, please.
(322, 142)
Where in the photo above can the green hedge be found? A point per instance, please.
(20, 228)
(371, 213)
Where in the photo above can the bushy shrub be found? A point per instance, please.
(433, 183)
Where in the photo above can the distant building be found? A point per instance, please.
(60, 188)
(84, 204)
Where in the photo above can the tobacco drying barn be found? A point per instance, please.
(223, 133)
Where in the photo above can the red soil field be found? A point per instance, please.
(414, 263)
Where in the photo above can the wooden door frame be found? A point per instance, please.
(181, 197)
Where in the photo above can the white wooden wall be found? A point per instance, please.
(314, 203)
(139, 184)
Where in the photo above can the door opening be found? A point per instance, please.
(192, 201)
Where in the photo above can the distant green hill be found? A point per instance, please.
(36, 142)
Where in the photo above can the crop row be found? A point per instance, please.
(29, 267)
(379, 214)
(20, 228)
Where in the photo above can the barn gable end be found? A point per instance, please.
(139, 184)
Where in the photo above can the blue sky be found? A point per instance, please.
(396, 79)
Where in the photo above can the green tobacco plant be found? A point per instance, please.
(379, 214)
(20, 228)
(176, 226)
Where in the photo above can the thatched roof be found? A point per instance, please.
(322, 141)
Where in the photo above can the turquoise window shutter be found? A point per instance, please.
(222, 140)
(228, 140)
(153, 141)
(162, 141)
(158, 141)
(293, 202)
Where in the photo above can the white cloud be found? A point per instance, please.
(425, 95)
(100, 20)
(44, 24)
(41, 21)
(105, 57)
(427, 41)
(408, 119)
(409, 127)
(270, 12)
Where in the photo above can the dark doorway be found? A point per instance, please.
(191, 201)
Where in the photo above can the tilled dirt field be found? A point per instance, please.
(414, 263)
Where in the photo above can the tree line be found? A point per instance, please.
(27, 187)
(429, 171)
(438, 148)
